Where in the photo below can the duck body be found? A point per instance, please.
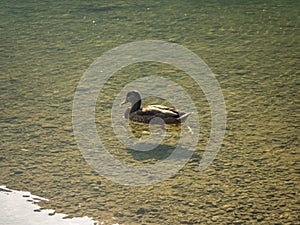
(152, 113)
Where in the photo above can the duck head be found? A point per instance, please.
(133, 97)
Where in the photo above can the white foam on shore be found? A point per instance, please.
(18, 207)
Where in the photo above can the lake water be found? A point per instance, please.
(251, 47)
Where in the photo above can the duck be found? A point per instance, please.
(157, 114)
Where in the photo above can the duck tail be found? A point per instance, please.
(183, 117)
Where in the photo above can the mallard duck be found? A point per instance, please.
(146, 114)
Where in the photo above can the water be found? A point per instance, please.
(251, 47)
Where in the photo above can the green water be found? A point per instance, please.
(251, 47)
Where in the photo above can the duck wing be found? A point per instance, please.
(161, 111)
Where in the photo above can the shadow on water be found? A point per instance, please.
(146, 149)
(161, 152)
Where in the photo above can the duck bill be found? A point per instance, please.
(124, 102)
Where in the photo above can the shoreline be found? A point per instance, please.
(18, 206)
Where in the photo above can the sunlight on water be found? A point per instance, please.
(18, 207)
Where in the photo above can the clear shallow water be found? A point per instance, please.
(251, 47)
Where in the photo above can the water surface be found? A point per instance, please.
(251, 47)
